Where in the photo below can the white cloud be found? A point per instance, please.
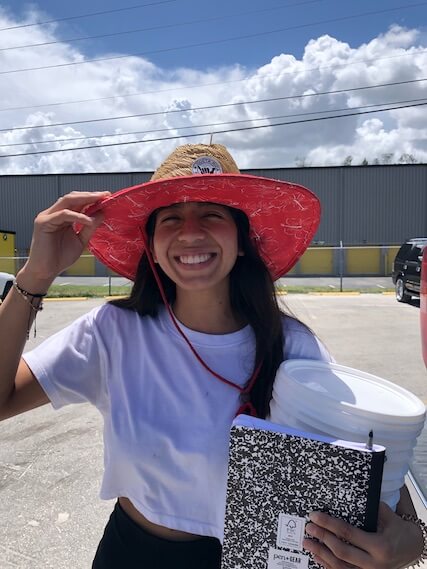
(327, 64)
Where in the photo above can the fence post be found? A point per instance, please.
(341, 263)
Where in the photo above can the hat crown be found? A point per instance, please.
(283, 216)
(187, 160)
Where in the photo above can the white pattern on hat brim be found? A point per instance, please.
(283, 216)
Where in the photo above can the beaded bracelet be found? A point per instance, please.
(36, 303)
(423, 528)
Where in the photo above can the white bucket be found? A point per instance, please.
(348, 416)
(338, 387)
(346, 403)
(348, 419)
(350, 427)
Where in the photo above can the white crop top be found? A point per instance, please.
(166, 419)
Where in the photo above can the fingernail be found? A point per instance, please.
(309, 528)
(306, 543)
(314, 516)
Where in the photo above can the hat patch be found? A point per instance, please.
(206, 165)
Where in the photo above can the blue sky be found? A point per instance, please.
(235, 18)
(301, 60)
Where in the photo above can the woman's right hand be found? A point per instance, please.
(55, 245)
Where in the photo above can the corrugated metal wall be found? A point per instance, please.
(384, 204)
(21, 198)
(377, 205)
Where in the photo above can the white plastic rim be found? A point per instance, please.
(296, 418)
(403, 455)
(392, 485)
(394, 471)
(276, 416)
(391, 498)
(291, 398)
(391, 443)
(345, 421)
(352, 390)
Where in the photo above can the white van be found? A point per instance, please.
(6, 282)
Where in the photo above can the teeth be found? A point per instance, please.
(194, 259)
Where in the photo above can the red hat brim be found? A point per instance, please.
(283, 216)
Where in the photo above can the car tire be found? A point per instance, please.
(401, 294)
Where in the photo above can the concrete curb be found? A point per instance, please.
(62, 298)
(278, 293)
(335, 293)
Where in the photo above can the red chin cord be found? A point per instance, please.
(246, 406)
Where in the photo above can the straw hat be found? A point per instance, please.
(283, 216)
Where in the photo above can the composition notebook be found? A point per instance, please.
(276, 476)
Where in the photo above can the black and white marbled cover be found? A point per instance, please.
(275, 473)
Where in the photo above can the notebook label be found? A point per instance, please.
(290, 532)
(279, 559)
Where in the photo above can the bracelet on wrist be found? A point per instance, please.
(423, 527)
(35, 301)
(26, 293)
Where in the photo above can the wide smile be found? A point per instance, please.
(195, 261)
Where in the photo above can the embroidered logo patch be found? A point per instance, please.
(206, 165)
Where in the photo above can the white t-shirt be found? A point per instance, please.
(166, 418)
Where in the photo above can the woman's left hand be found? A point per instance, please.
(342, 546)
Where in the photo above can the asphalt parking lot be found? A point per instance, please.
(51, 461)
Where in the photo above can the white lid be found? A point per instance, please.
(351, 390)
(390, 438)
(333, 415)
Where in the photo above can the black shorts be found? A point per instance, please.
(125, 545)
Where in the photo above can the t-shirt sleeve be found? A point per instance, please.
(69, 365)
(301, 343)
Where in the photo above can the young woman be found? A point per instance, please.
(199, 340)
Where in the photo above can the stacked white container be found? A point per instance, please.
(346, 403)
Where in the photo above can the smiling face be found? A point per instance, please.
(196, 245)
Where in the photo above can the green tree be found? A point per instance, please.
(300, 162)
(407, 159)
(386, 158)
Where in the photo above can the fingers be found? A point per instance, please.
(339, 545)
(54, 221)
(60, 234)
(87, 231)
(331, 551)
(77, 201)
(68, 210)
(343, 531)
(321, 561)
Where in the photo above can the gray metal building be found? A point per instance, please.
(373, 205)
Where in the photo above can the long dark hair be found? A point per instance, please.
(252, 298)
